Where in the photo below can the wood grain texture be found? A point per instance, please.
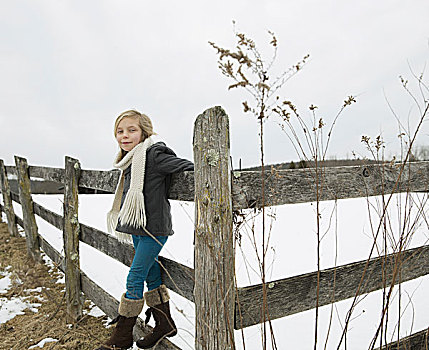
(30, 226)
(299, 185)
(177, 277)
(416, 341)
(7, 200)
(49, 216)
(50, 187)
(100, 180)
(40, 187)
(11, 170)
(284, 186)
(47, 173)
(107, 244)
(296, 294)
(214, 260)
(53, 254)
(71, 229)
(182, 186)
(15, 197)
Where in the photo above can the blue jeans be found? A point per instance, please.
(145, 266)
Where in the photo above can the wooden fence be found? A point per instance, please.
(217, 192)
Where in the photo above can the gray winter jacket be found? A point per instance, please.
(161, 162)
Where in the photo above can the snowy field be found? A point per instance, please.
(347, 230)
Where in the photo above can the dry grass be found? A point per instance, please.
(26, 330)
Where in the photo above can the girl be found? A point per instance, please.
(141, 214)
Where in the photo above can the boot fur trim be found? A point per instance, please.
(130, 307)
(157, 296)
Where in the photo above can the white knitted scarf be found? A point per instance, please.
(132, 212)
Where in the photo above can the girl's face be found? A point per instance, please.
(128, 134)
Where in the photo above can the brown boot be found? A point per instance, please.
(159, 307)
(122, 335)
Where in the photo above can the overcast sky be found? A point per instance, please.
(68, 68)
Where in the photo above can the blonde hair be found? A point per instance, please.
(144, 122)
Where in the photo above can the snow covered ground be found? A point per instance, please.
(16, 305)
(347, 231)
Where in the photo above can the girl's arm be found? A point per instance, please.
(167, 162)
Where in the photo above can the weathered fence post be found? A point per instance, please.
(214, 291)
(7, 201)
(71, 231)
(30, 226)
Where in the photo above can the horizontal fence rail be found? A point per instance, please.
(299, 185)
(416, 341)
(296, 294)
(285, 297)
(281, 186)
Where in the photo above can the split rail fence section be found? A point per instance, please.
(218, 192)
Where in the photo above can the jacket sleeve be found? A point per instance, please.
(167, 162)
